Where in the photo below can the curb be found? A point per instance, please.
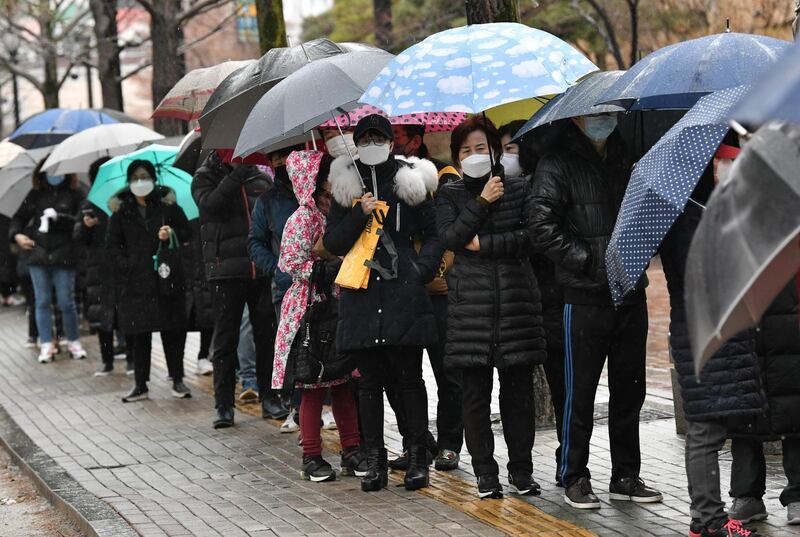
(94, 517)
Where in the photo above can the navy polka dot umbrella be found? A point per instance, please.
(660, 186)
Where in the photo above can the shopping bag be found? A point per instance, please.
(354, 273)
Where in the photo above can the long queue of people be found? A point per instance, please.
(496, 261)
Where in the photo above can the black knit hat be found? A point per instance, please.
(373, 122)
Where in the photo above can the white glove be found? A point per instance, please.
(47, 215)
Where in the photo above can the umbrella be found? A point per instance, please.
(120, 116)
(189, 95)
(228, 107)
(16, 179)
(579, 100)
(76, 153)
(747, 246)
(476, 67)
(432, 121)
(776, 96)
(309, 97)
(678, 75)
(190, 153)
(112, 177)
(55, 125)
(9, 150)
(660, 186)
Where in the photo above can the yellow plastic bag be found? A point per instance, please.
(354, 273)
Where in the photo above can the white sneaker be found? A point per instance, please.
(76, 350)
(46, 353)
(204, 367)
(13, 301)
(328, 422)
(289, 425)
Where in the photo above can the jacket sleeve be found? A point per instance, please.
(457, 228)
(431, 249)
(115, 244)
(215, 199)
(296, 258)
(343, 228)
(180, 224)
(23, 216)
(509, 244)
(547, 220)
(259, 241)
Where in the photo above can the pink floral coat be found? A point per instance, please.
(301, 232)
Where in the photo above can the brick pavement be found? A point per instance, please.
(166, 471)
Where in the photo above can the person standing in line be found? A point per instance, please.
(199, 299)
(494, 310)
(49, 213)
(578, 189)
(387, 325)
(225, 195)
(143, 216)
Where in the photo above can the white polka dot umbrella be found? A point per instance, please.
(660, 186)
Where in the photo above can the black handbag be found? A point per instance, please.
(168, 266)
(313, 353)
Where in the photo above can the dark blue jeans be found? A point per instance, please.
(63, 280)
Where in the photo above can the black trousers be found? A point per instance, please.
(749, 469)
(230, 296)
(106, 339)
(517, 412)
(592, 333)
(173, 341)
(206, 336)
(554, 371)
(401, 368)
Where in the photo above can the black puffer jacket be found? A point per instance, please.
(729, 384)
(8, 261)
(778, 348)
(54, 248)
(101, 295)
(577, 195)
(132, 241)
(225, 196)
(199, 297)
(391, 311)
(494, 306)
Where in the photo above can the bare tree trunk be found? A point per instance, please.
(166, 63)
(604, 26)
(108, 64)
(633, 7)
(382, 14)
(271, 25)
(482, 11)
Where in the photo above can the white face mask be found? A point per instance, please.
(142, 187)
(338, 145)
(510, 162)
(372, 154)
(476, 165)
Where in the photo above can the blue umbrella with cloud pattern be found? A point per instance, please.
(474, 68)
(660, 187)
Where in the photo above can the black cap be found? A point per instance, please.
(373, 122)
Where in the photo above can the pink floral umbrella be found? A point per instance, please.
(432, 121)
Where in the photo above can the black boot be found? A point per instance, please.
(378, 469)
(417, 473)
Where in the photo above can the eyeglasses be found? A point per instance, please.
(375, 139)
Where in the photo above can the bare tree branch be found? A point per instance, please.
(72, 25)
(148, 6)
(141, 67)
(606, 29)
(183, 49)
(198, 8)
(66, 75)
(12, 68)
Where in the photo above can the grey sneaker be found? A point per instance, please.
(747, 510)
(793, 513)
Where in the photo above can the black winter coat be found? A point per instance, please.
(778, 348)
(132, 242)
(391, 311)
(199, 296)
(729, 384)
(577, 195)
(54, 248)
(101, 294)
(225, 196)
(8, 261)
(494, 305)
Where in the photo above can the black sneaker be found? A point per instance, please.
(136, 394)
(224, 417)
(727, 527)
(524, 485)
(354, 462)
(633, 489)
(400, 463)
(317, 469)
(489, 487)
(273, 408)
(180, 391)
(104, 371)
(580, 495)
(446, 460)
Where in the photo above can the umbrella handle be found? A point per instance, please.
(363, 186)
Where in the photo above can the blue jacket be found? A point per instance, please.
(270, 213)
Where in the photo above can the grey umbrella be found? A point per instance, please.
(579, 100)
(16, 179)
(747, 246)
(309, 97)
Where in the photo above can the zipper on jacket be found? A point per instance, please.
(249, 225)
(495, 328)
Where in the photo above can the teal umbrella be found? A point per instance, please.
(113, 177)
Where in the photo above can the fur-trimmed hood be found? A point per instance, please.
(414, 179)
(124, 197)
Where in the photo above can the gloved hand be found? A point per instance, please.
(241, 174)
(47, 215)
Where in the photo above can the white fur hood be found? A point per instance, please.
(414, 180)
